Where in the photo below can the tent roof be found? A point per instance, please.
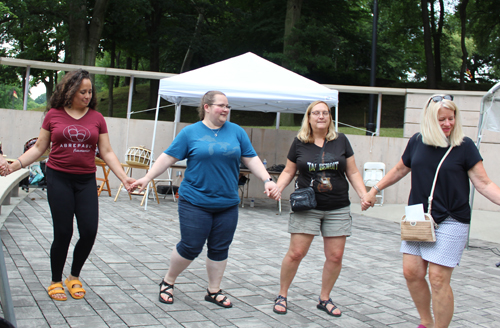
(250, 83)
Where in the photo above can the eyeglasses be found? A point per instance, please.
(222, 106)
(440, 98)
(318, 113)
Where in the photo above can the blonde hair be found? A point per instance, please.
(432, 134)
(306, 134)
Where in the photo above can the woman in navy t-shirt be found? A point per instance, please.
(441, 128)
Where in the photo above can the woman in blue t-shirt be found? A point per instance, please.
(325, 161)
(441, 128)
(208, 195)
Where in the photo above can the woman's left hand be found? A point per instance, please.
(272, 191)
(127, 182)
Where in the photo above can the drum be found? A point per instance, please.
(138, 156)
(30, 143)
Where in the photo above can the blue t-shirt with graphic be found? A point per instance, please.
(213, 163)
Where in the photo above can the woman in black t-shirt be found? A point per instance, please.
(324, 158)
(441, 128)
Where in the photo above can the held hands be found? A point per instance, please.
(127, 182)
(368, 200)
(272, 190)
(142, 183)
(5, 169)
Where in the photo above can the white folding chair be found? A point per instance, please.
(373, 172)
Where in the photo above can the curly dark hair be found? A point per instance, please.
(66, 89)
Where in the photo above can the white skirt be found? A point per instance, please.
(447, 250)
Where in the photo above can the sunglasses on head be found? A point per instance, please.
(440, 98)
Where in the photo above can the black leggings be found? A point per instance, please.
(71, 195)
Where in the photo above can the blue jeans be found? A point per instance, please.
(198, 224)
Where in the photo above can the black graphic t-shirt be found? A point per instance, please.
(326, 169)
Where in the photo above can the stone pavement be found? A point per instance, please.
(131, 256)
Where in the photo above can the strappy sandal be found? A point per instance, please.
(280, 301)
(163, 283)
(323, 306)
(52, 291)
(212, 297)
(73, 290)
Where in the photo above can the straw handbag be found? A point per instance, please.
(422, 230)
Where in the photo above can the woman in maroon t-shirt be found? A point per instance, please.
(74, 128)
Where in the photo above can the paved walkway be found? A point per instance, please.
(131, 256)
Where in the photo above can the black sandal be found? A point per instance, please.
(322, 306)
(280, 301)
(212, 297)
(163, 283)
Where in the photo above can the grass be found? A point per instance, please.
(384, 132)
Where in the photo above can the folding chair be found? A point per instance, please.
(373, 172)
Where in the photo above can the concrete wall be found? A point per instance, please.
(16, 127)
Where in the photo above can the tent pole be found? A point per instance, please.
(152, 148)
(379, 114)
(177, 118)
(129, 108)
(278, 118)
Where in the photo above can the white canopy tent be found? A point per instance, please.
(250, 83)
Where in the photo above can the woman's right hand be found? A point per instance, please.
(368, 200)
(141, 184)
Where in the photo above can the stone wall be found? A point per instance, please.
(16, 127)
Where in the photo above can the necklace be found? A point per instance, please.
(216, 131)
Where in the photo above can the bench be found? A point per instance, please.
(9, 187)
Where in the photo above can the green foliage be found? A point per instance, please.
(9, 100)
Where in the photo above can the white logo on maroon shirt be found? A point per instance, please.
(76, 133)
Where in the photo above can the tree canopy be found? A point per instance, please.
(327, 41)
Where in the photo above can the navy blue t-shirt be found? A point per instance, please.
(451, 194)
(326, 169)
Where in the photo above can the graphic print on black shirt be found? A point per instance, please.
(326, 169)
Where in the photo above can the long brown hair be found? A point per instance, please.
(66, 89)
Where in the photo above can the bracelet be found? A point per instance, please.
(21, 163)
(268, 180)
(376, 188)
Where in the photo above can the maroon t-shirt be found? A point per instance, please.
(73, 141)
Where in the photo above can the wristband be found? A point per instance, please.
(376, 188)
(268, 180)
(21, 163)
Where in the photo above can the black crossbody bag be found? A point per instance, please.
(303, 199)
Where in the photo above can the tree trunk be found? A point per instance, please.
(110, 80)
(117, 61)
(95, 31)
(186, 64)
(463, 15)
(154, 21)
(83, 42)
(49, 86)
(429, 58)
(293, 9)
(128, 65)
(437, 34)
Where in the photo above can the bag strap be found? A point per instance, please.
(435, 179)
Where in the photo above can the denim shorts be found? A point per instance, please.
(330, 223)
(198, 225)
